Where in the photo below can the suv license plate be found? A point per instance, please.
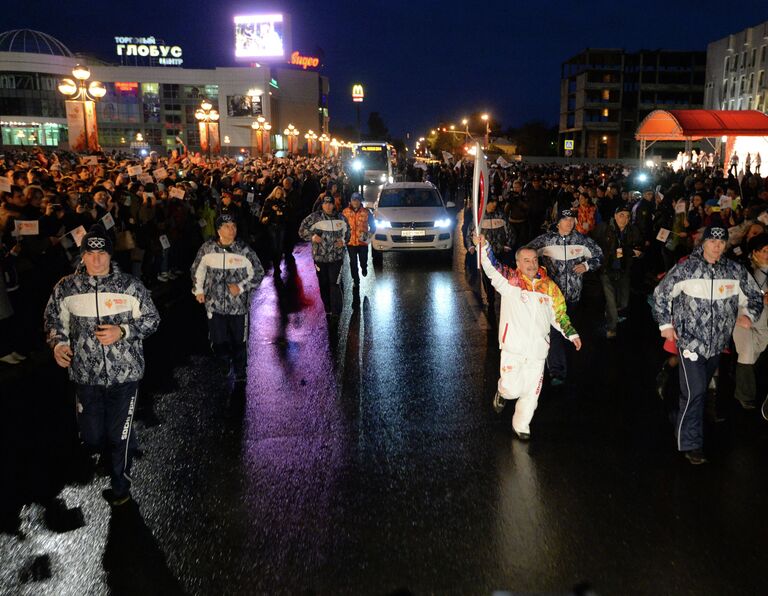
(412, 233)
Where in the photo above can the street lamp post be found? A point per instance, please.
(85, 94)
(311, 137)
(292, 136)
(358, 94)
(262, 128)
(485, 118)
(324, 139)
(205, 114)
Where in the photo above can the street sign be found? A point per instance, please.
(568, 152)
(569, 145)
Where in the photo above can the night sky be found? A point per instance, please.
(420, 61)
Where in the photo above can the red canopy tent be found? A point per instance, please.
(694, 125)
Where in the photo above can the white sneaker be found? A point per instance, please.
(163, 277)
(9, 359)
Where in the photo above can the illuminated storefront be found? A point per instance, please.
(149, 95)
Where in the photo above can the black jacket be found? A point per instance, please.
(611, 239)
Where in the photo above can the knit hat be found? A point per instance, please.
(96, 239)
(328, 199)
(223, 219)
(715, 233)
(623, 208)
(356, 197)
(565, 213)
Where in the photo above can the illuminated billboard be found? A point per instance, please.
(262, 36)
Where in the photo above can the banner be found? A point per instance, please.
(209, 137)
(81, 117)
(447, 157)
(203, 130)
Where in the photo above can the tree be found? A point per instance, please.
(535, 138)
(377, 130)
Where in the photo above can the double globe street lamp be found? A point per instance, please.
(292, 136)
(263, 135)
(206, 115)
(311, 137)
(85, 94)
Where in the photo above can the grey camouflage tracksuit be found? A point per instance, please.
(106, 377)
(216, 267)
(701, 302)
(327, 255)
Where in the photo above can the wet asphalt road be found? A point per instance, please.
(365, 459)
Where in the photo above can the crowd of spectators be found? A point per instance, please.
(158, 210)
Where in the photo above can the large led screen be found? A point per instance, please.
(261, 36)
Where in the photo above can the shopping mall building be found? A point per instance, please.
(152, 95)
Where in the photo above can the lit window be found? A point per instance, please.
(606, 94)
(605, 112)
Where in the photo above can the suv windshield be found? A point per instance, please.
(409, 197)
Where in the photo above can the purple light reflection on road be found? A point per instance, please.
(295, 441)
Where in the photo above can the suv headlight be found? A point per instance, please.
(443, 223)
(383, 178)
(383, 224)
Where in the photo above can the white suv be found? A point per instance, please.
(412, 216)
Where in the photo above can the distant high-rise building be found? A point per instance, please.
(736, 67)
(605, 94)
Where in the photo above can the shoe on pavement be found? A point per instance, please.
(621, 319)
(163, 277)
(610, 334)
(9, 359)
(522, 435)
(748, 405)
(498, 403)
(764, 409)
(557, 381)
(19, 357)
(696, 457)
(115, 500)
(172, 275)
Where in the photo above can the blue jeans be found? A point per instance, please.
(105, 421)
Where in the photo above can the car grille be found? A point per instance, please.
(413, 239)
(413, 224)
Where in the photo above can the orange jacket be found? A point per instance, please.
(358, 222)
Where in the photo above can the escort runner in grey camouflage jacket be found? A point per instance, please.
(702, 301)
(331, 228)
(216, 266)
(80, 303)
(560, 254)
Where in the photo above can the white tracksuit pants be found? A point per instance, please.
(520, 378)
